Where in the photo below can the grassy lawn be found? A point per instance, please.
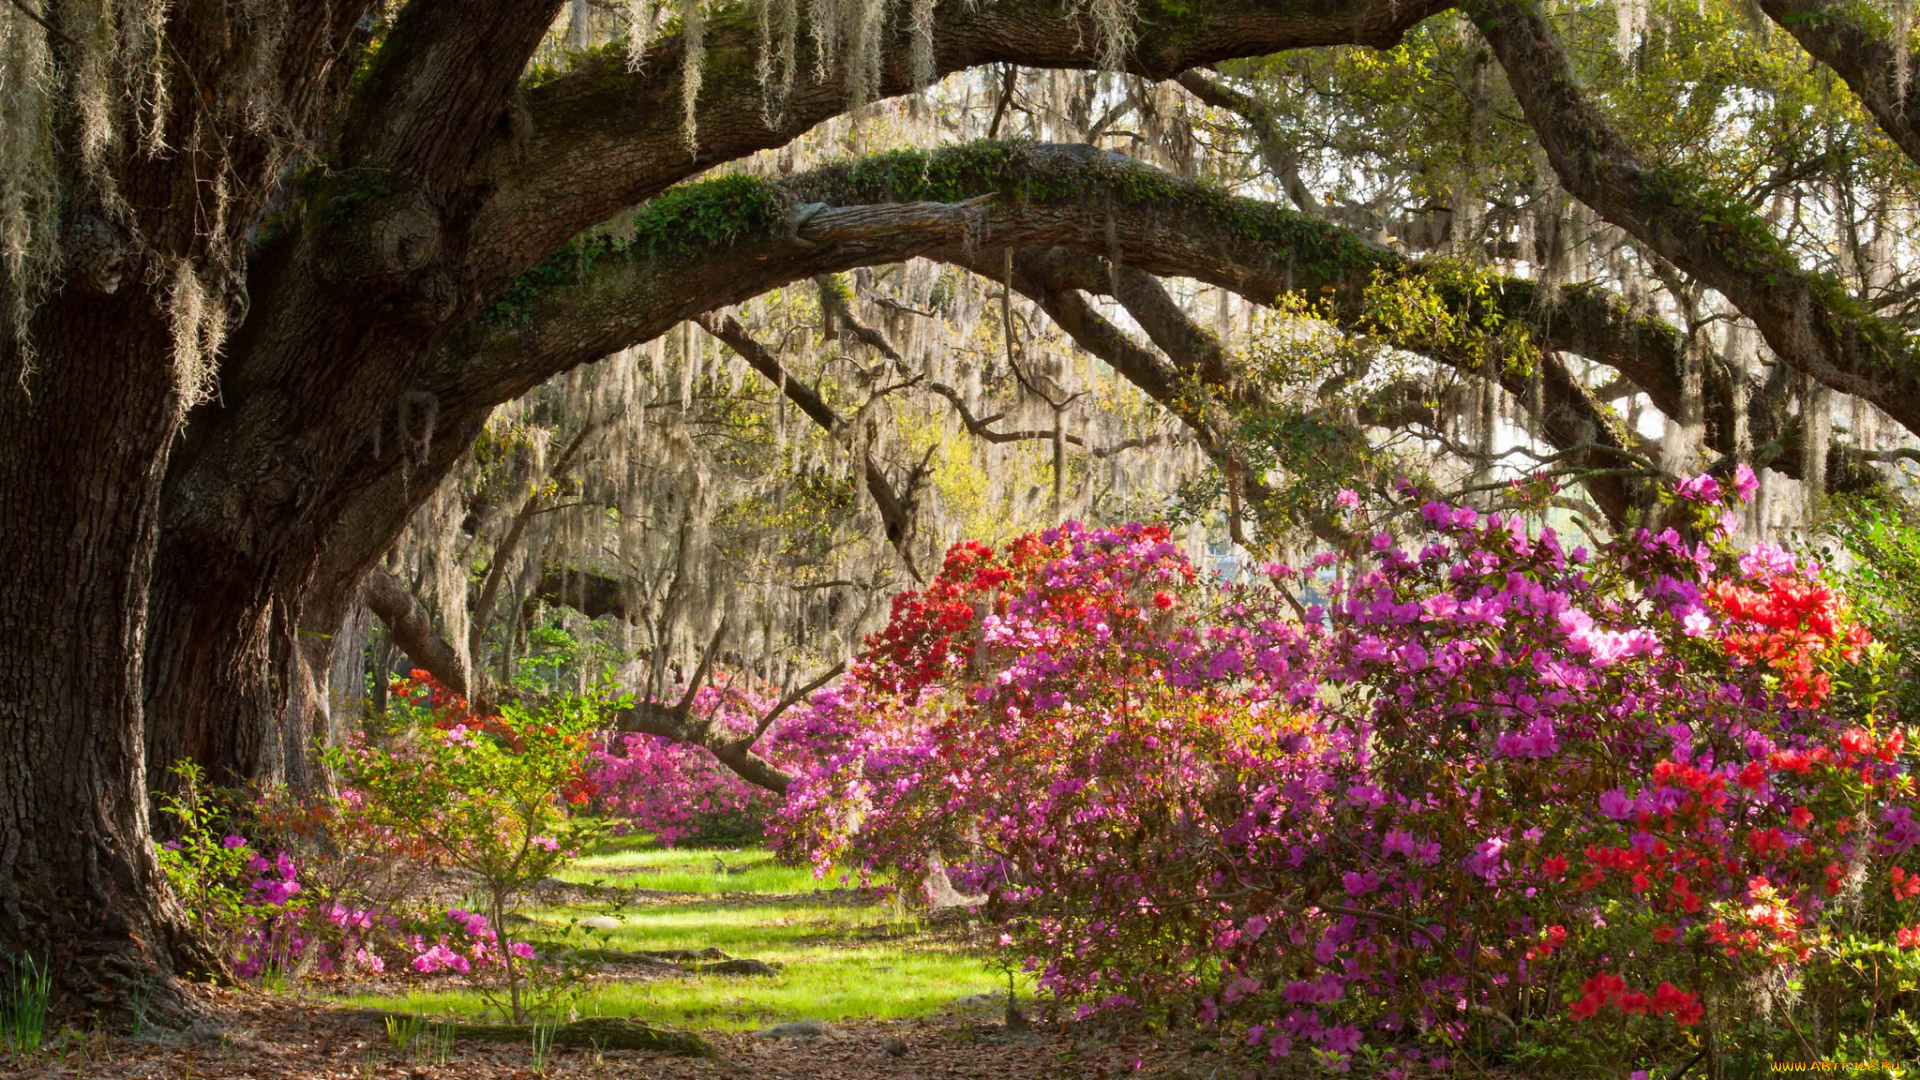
(696, 870)
(838, 960)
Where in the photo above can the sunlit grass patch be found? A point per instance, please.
(880, 981)
(742, 928)
(699, 870)
(822, 983)
(836, 960)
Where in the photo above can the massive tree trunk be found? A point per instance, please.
(79, 491)
(157, 194)
(354, 297)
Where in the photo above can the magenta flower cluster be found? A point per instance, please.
(674, 790)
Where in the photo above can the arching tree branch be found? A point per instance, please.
(1866, 61)
(1068, 197)
(669, 722)
(1806, 318)
(604, 139)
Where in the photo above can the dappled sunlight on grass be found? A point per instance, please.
(745, 929)
(820, 983)
(636, 861)
(837, 960)
(699, 870)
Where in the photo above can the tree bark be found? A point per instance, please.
(80, 890)
(668, 722)
(150, 269)
(348, 303)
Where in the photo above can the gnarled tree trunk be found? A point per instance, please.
(79, 490)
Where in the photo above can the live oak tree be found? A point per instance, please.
(268, 267)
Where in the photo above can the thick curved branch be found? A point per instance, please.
(670, 722)
(411, 625)
(604, 139)
(880, 210)
(1807, 319)
(432, 96)
(1865, 61)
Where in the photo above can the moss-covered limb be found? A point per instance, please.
(1060, 194)
(1806, 318)
(725, 241)
(1863, 55)
(597, 1032)
(604, 138)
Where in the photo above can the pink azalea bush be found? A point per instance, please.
(1499, 796)
(311, 906)
(497, 798)
(680, 793)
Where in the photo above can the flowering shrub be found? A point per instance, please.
(270, 915)
(680, 793)
(491, 796)
(1496, 797)
(234, 896)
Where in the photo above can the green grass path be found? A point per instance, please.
(840, 958)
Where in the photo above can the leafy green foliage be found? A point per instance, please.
(207, 864)
(489, 796)
(1881, 545)
(24, 1001)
